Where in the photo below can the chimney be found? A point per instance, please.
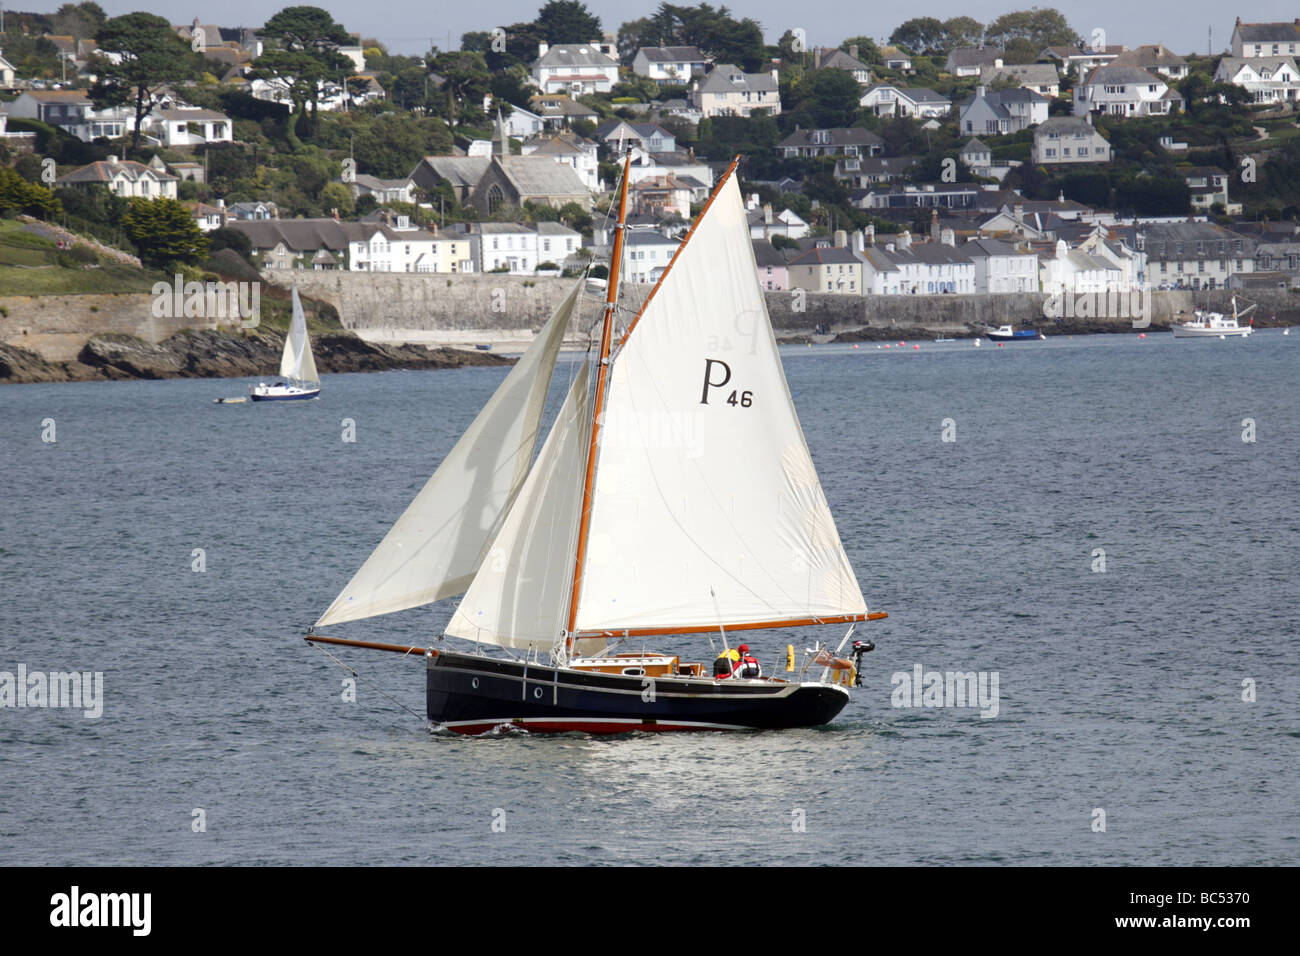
(112, 160)
(853, 50)
(979, 92)
(767, 213)
(334, 213)
(841, 238)
(776, 77)
(948, 237)
(905, 239)
(871, 234)
(934, 225)
(1019, 213)
(1087, 118)
(997, 63)
(859, 241)
(542, 48)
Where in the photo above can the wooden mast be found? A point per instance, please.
(598, 406)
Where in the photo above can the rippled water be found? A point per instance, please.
(1120, 691)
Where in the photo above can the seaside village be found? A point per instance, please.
(948, 158)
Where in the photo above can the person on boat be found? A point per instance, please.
(748, 666)
(737, 663)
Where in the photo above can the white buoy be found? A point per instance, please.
(977, 343)
(1222, 338)
(1286, 331)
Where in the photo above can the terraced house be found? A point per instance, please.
(1194, 255)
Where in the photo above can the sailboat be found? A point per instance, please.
(674, 495)
(297, 365)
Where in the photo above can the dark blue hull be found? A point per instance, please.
(472, 694)
(1024, 335)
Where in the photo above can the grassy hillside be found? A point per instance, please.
(33, 265)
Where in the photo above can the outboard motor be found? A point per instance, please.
(860, 648)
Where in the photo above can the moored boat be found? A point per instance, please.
(1214, 325)
(297, 365)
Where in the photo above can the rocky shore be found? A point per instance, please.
(224, 354)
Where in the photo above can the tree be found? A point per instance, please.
(141, 55)
(163, 232)
(829, 97)
(17, 195)
(1045, 27)
(568, 21)
(307, 54)
(338, 196)
(394, 143)
(920, 35)
(465, 81)
(962, 31)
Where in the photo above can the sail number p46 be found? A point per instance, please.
(742, 399)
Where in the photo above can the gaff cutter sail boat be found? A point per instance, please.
(297, 366)
(676, 496)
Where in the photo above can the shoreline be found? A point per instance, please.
(221, 354)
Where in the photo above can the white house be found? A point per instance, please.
(670, 65)
(1208, 185)
(1001, 111)
(1000, 267)
(969, 60)
(6, 73)
(124, 178)
(1069, 140)
(503, 246)
(521, 123)
(575, 68)
(729, 91)
(1081, 60)
(646, 253)
(1269, 79)
(837, 141)
(838, 59)
(885, 99)
(764, 224)
(555, 242)
(1265, 39)
(189, 127)
(383, 190)
(73, 112)
(1125, 91)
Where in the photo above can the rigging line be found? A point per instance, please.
(373, 687)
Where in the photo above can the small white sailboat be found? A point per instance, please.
(297, 365)
(1214, 325)
(674, 495)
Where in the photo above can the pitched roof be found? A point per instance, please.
(766, 254)
(458, 170)
(193, 116)
(1150, 56)
(721, 81)
(541, 176)
(105, 172)
(839, 60)
(975, 146)
(573, 54)
(824, 257)
(1121, 74)
(1269, 32)
(974, 56)
(1039, 74)
(839, 136)
(672, 54)
(1066, 124)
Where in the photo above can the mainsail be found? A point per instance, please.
(706, 509)
(439, 542)
(520, 597)
(297, 364)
